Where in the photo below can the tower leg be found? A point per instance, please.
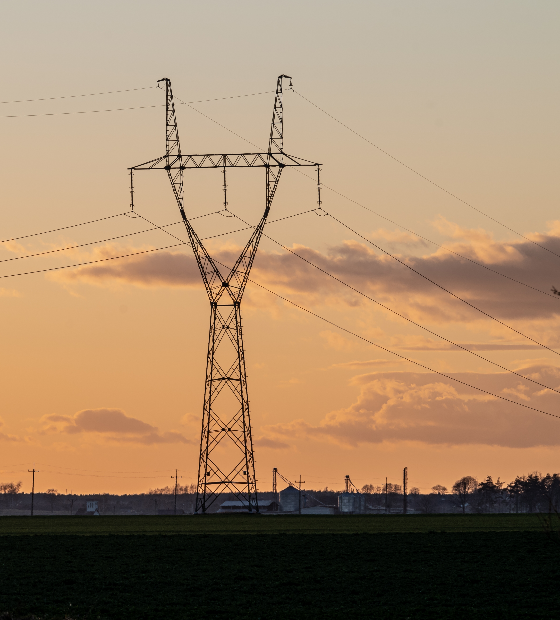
(226, 463)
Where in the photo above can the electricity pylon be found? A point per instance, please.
(225, 416)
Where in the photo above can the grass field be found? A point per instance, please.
(487, 566)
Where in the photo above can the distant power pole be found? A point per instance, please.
(32, 487)
(175, 476)
(386, 497)
(405, 490)
(300, 482)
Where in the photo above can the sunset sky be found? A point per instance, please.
(103, 365)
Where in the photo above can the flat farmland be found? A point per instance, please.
(487, 566)
(266, 524)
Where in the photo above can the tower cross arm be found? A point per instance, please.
(220, 160)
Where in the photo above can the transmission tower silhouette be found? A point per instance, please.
(225, 415)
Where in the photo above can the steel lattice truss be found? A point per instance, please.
(225, 417)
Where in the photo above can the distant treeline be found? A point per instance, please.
(532, 493)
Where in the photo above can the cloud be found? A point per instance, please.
(336, 341)
(7, 437)
(368, 363)
(427, 408)
(9, 292)
(376, 274)
(398, 237)
(267, 442)
(114, 424)
(14, 246)
(158, 269)
(480, 243)
(421, 343)
(156, 438)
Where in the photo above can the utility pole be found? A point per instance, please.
(32, 487)
(233, 470)
(300, 481)
(274, 484)
(175, 476)
(405, 490)
(386, 497)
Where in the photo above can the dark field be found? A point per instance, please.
(488, 566)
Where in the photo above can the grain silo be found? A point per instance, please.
(351, 502)
(346, 503)
(362, 503)
(289, 499)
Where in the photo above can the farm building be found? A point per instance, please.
(235, 506)
(91, 509)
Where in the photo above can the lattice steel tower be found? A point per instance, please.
(225, 416)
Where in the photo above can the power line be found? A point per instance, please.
(217, 123)
(403, 316)
(468, 204)
(142, 107)
(393, 352)
(442, 287)
(348, 331)
(45, 232)
(442, 374)
(248, 227)
(382, 216)
(107, 92)
(101, 260)
(151, 471)
(139, 107)
(87, 475)
(264, 92)
(73, 247)
(437, 245)
(411, 268)
(91, 262)
(58, 473)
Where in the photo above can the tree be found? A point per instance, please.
(532, 490)
(427, 502)
(514, 490)
(390, 493)
(164, 491)
(439, 489)
(463, 489)
(52, 493)
(10, 489)
(188, 488)
(551, 485)
(487, 494)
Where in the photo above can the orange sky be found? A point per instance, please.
(103, 365)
